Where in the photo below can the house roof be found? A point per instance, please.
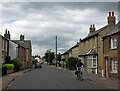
(66, 52)
(88, 52)
(76, 45)
(25, 43)
(115, 30)
(94, 33)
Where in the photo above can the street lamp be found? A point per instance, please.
(56, 51)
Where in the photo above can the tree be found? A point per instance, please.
(59, 57)
(49, 56)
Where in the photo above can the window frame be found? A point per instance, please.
(113, 43)
(90, 60)
(114, 64)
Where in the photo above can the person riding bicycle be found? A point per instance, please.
(78, 72)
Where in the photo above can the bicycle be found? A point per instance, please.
(79, 73)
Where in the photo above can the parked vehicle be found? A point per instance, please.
(38, 65)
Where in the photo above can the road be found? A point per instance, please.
(52, 78)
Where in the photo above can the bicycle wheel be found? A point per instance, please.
(78, 75)
(81, 76)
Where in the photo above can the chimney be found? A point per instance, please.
(7, 34)
(111, 19)
(92, 28)
(21, 37)
(80, 40)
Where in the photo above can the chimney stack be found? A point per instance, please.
(92, 28)
(7, 34)
(111, 19)
(21, 37)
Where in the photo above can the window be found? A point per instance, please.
(114, 65)
(92, 61)
(113, 43)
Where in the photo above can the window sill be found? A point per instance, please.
(113, 48)
(92, 67)
(113, 72)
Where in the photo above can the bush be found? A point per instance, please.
(71, 62)
(17, 64)
(9, 66)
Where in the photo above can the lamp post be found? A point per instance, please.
(56, 51)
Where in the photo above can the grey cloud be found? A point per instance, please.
(42, 21)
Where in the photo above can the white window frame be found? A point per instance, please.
(113, 43)
(90, 61)
(114, 65)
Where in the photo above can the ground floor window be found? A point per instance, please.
(92, 61)
(114, 65)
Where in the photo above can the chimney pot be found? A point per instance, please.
(112, 13)
(8, 32)
(5, 31)
(109, 13)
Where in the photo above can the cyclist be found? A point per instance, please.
(79, 66)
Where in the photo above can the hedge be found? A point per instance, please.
(9, 66)
(71, 62)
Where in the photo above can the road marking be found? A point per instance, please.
(59, 83)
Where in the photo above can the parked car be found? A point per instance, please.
(38, 65)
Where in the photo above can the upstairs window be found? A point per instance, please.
(113, 43)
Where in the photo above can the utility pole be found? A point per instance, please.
(56, 51)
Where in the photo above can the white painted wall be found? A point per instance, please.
(12, 50)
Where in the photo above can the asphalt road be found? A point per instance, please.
(52, 78)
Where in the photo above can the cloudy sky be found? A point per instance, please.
(40, 22)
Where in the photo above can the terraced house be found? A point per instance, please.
(90, 48)
(16, 49)
(24, 51)
(3, 48)
(111, 47)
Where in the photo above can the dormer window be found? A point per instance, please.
(113, 43)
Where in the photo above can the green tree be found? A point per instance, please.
(49, 56)
(59, 57)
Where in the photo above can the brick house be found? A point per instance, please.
(16, 49)
(111, 47)
(24, 51)
(91, 47)
(3, 48)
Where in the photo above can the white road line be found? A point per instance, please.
(59, 83)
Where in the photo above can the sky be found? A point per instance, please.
(40, 22)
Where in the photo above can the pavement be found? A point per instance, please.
(111, 83)
(7, 79)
